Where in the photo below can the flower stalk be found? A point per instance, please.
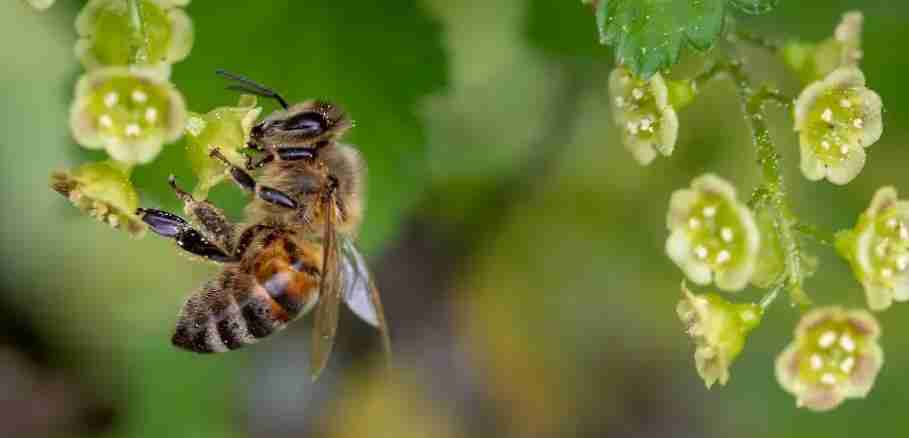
(771, 194)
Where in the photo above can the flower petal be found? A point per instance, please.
(872, 108)
(787, 369)
(713, 184)
(669, 131)
(845, 77)
(848, 169)
(812, 168)
(867, 366)
(678, 248)
(733, 280)
(680, 205)
(182, 35)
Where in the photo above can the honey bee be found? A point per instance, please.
(295, 250)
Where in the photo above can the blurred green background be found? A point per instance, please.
(518, 246)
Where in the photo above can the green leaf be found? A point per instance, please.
(754, 7)
(648, 35)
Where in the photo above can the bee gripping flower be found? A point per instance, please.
(835, 355)
(719, 329)
(878, 249)
(103, 191)
(225, 128)
(837, 118)
(129, 112)
(109, 35)
(713, 236)
(642, 111)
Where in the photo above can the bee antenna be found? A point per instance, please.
(244, 84)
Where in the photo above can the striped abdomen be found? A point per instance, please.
(243, 305)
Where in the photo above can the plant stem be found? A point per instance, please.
(770, 297)
(772, 192)
(138, 53)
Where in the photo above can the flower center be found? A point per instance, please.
(831, 352)
(639, 109)
(715, 232)
(835, 125)
(890, 248)
(127, 108)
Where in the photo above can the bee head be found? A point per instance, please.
(301, 125)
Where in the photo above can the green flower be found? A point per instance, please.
(642, 111)
(835, 356)
(837, 118)
(878, 249)
(103, 191)
(814, 61)
(712, 234)
(226, 128)
(41, 4)
(130, 112)
(159, 35)
(719, 329)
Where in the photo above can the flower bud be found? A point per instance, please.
(719, 329)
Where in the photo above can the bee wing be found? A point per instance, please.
(326, 324)
(360, 293)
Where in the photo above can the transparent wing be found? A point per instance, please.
(360, 293)
(326, 324)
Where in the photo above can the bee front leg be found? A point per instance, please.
(246, 182)
(212, 221)
(172, 226)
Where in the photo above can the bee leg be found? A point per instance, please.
(294, 154)
(246, 181)
(252, 164)
(212, 221)
(172, 226)
(285, 154)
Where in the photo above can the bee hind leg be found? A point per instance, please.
(246, 181)
(172, 226)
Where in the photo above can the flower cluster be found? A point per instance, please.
(878, 249)
(835, 356)
(642, 111)
(716, 239)
(719, 329)
(124, 104)
(109, 35)
(713, 236)
(226, 128)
